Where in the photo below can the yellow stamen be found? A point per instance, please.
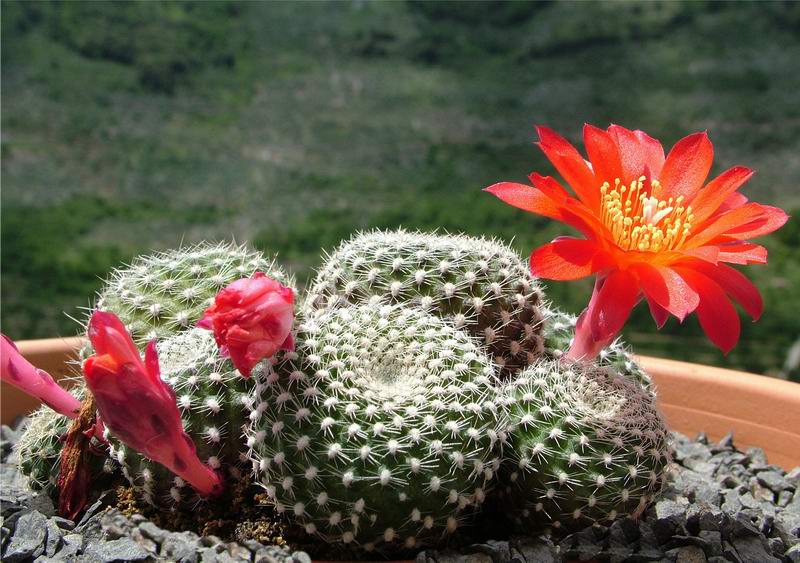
(639, 221)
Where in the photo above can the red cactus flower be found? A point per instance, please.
(137, 406)
(652, 228)
(20, 373)
(251, 319)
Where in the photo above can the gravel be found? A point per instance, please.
(721, 505)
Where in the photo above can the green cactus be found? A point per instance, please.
(214, 401)
(480, 285)
(559, 329)
(584, 445)
(381, 427)
(39, 449)
(165, 293)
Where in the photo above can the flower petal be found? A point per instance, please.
(570, 164)
(664, 286)
(567, 258)
(603, 154)
(710, 198)
(659, 314)
(686, 167)
(742, 253)
(748, 221)
(526, 198)
(717, 315)
(614, 304)
(638, 153)
(735, 284)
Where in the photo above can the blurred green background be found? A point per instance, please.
(135, 126)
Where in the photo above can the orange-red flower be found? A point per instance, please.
(653, 227)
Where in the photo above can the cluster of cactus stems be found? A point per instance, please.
(425, 379)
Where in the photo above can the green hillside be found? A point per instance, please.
(135, 126)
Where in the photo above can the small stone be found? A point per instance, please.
(72, 545)
(301, 557)
(752, 549)
(123, 549)
(63, 523)
(180, 547)
(43, 504)
(539, 550)
(713, 541)
(793, 477)
(773, 480)
(776, 546)
(726, 443)
(670, 516)
(731, 503)
(270, 554)
(27, 542)
(757, 457)
(690, 554)
(710, 519)
(239, 552)
(784, 498)
(793, 553)
(730, 482)
(53, 538)
(153, 532)
(730, 554)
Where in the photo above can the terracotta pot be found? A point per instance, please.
(761, 411)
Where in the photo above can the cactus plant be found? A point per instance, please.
(481, 285)
(381, 427)
(164, 293)
(584, 445)
(39, 449)
(214, 402)
(559, 330)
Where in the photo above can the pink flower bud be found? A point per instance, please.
(20, 373)
(137, 406)
(251, 319)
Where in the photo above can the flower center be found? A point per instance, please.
(639, 221)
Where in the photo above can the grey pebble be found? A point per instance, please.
(690, 554)
(122, 549)
(27, 542)
(54, 536)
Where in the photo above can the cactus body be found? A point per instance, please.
(165, 293)
(380, 427)
(214, 401)
(480, 285)
(39, 449)
(559, 329)
(585, 445)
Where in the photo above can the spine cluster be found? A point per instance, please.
(382, 426)
(477, 284)
(584, 445)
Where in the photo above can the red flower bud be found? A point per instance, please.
(137, 406)
(251, 319)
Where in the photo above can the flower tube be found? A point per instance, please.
(137, 406)
(20, 373)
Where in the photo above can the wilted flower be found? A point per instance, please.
(251, 319)
(651, 229)
(20, 373)
(137, 406)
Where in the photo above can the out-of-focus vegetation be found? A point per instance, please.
(135, 126)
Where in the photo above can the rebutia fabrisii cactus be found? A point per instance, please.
(165, 293)
(214, 402)
(381, 427)
(559, 330)
(478, 284)
(584, 444)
